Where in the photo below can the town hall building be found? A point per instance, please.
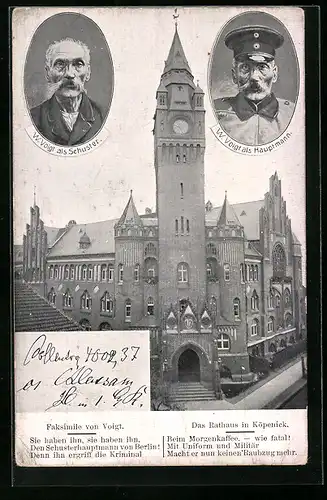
(214, 285)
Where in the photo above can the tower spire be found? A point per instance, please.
(34, 196)
(175, 17)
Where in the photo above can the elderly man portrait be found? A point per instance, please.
(254, 116)
(69, 116)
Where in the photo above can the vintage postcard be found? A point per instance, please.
(159, 236)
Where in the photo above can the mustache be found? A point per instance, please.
(252, 86)
(62, 84)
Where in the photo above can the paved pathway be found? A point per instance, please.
(258, 398)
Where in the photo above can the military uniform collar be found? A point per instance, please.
(244, 108)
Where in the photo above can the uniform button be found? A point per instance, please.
(256, 35)
(256, 46)
(286, 102)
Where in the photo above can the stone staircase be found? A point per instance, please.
(34, 313)
(190, 391)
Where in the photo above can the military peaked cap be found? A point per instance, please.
(254, 41)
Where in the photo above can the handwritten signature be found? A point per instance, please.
(47, 353)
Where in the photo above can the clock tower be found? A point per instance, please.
(179, 146)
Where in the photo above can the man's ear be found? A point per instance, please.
(46, 70)
(88, 73)
(275, 74)
(234, 76)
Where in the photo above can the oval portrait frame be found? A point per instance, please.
(219, 77)
(99, 89)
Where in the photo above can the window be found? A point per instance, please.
(242, 273)
(86, 301)
(271, 324)
(288, 320)
(187, 226)
(52, 297)
(110, 272)
(51, 272)
(67, 299)
(254, 301)
(72, 271)
(137, 272)
(270, 300)
(256, 273)
(177, 158)
(213, 304)
(182, 224)
(128, 310)
(211, 249)
(150, 249)
(223, 341)
(209, 270)
(103, 272)
(279, 261)
(182, 190)
(287, 298)
(106, 303)
(151, 272)
(66, 272)
(150, 306)
(182, 305)
(272, 348)
(56, 272)
(120, 273)
(277, 300)
(227, 272)
(237, 309)
(90, 273)
(84, 272)
(182, 273)
(184, 158)
(251, 272)
(176, 226)
(255, 327)
(161, 99)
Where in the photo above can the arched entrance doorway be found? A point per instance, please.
(189, 366)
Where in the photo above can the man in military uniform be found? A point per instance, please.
(255, 116)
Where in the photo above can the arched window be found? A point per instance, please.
(213, 305)
(254, 301)
(272, 347)
(66, 272)
(279, 261)
(84, 272)
(182, 224)
(103, 272)
(90, 272)
(176, 226)
(223, 341)
(287, 298)
(277, 300)
(227, 272)
(150, 306)
(56, 272)
(270, 300)
(110, 272)
(107, 304)
(211, 249)
(283, 343)
(85, 324)
(67, 299)
(256, 273)
(242, 274)
(128, 310)
(237, 309)
(251, 272)
(271, 325)
(150, 249)
(182, 272)
(72, 271)
(187, 226)
(209, 270)
(120, 273)
(182, 305)
(182, 190)
(151, 269)
(51, 272)
(255, 327)
(212, 268)
(52, 296)
(288, 320)
(105, 326)
(137, 273)
(86, 301)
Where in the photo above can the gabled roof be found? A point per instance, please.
(101, 235)
(295, 239)
(251, 251)
(176, 57)
(53, 233)
(130, 215)
(227, 215)
(249, 220)
(34, 313)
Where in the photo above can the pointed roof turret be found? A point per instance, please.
(176, 57)
(130, 215)
(227, 215)
(198, 89)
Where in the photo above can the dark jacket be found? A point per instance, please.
(48, 120)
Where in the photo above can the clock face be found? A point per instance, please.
(180, 127)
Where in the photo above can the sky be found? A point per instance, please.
(96, 186)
